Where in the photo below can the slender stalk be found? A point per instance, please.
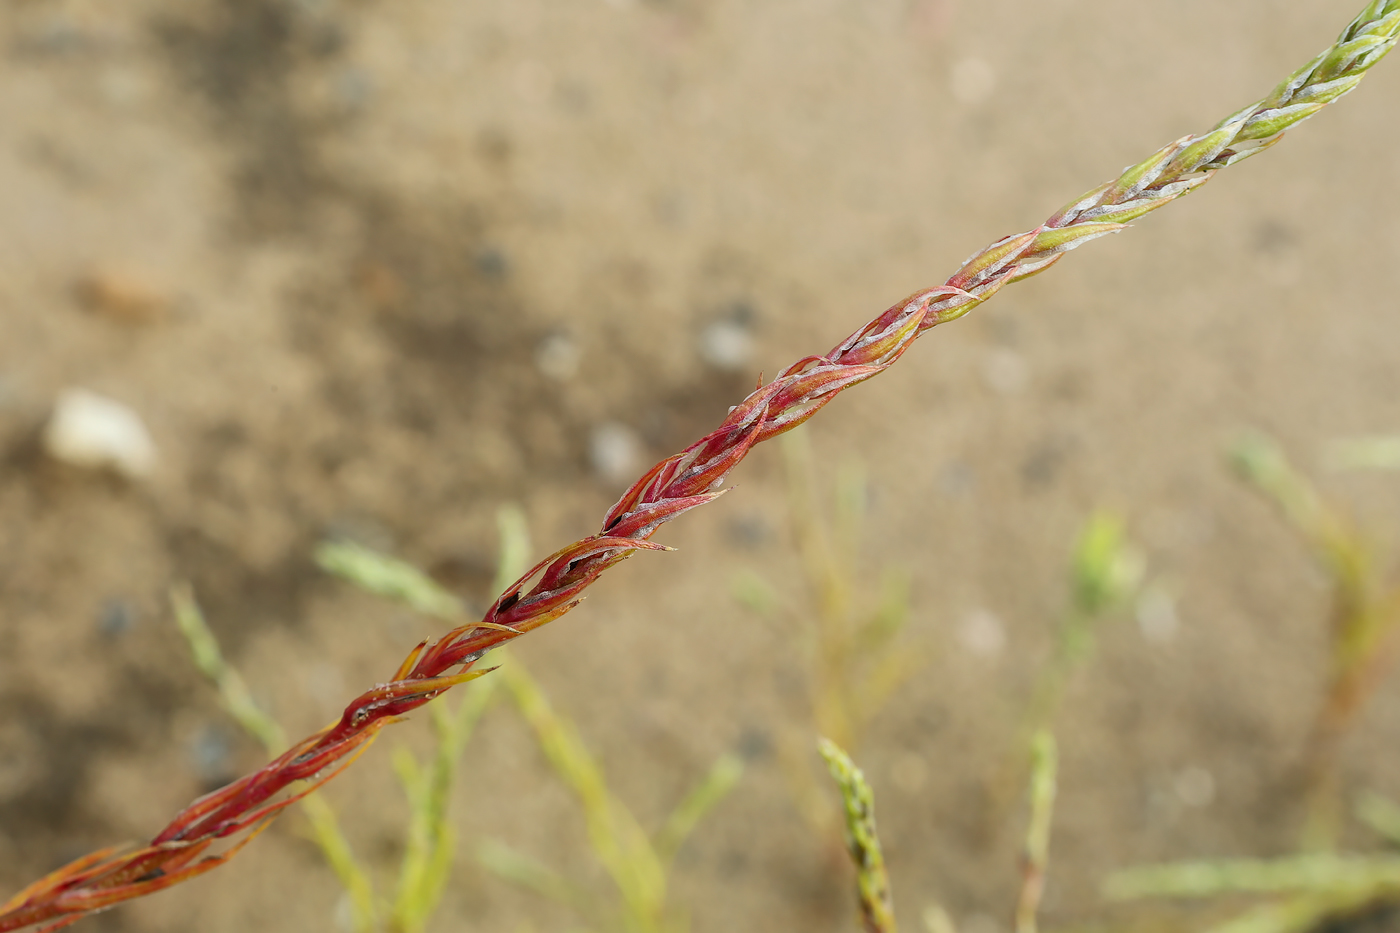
(624, 848)
(862, 840)
(1311, 873)
(238, 702)
(1044, 764)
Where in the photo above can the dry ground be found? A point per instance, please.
(333, 236)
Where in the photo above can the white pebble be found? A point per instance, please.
(1156, 616)
(1195, 787)
(558, 356)
(344, 914)
(1005, 371)
(726, 345)
(93, 431)
(982, 633)
(974, 80)
(614, 451)
(936, 920)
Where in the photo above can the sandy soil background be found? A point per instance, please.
(373, 269)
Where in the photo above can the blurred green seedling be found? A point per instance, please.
(429, 840)
(430, 843)
(637, 863)
(1318, 887)
(1301, 893)
(851, 639)
(1045, 764)
(1378, 452)
(1364, 618)
(1106, 574)
(1106, 578)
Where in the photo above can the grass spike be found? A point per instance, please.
(862, 839)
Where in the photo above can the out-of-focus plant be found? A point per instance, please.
(1380, 814)
(1105, 575)
(851, 640)
(1301, 893)
(638, 863)
(873, 894)
(862, 839)
(1045, 765)
(429, 843)
(1305, 892)
(1364, 622)
(1377, 452)
(237, 700)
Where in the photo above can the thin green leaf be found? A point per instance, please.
(530, 873)
(613, 832)
(722, 778)
(385, 576)
(1044, 765)
(238, 702)
(1317, 872)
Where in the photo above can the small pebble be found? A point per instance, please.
(755, 744)
(558, 357)
(1156, 616)
(957, 478)
(20, 759)
(380, 284)
(1005, 371)
(726, 345)
(1195, 787)
(115, 618)
(614, 451)
(344, 916)
(123, 86)
(210, 753)
(93, 431)
(973, 80)
(123, 295)
(58, 35)
(352, 88)
(982, 633)
(491, 263)
(749, 531)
